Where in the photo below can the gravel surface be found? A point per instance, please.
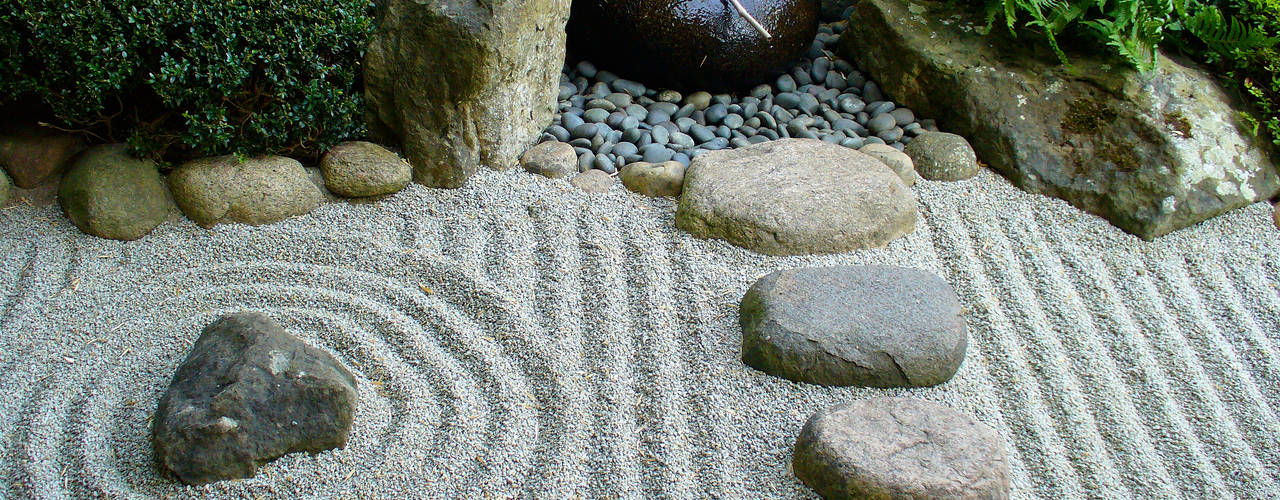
(519, 338)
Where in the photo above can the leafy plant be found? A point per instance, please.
(191, 77)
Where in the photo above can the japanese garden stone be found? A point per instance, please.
(896, 160)
(551, 159)
(6, 185)
(900, 448)
(654, 179)
(247, 393)
(870, 326)
(32, 155)
(1150, 153)
(259, 190)
(793, 197)
(940, 156)
(593, 181)
(111, 194)
(461, 84)
(358, 169)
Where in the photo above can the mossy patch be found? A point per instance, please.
(1178, 123)
(1119, 154)
(1087, 116)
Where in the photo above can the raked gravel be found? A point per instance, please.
(519, 338)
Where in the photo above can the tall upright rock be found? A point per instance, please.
(464, 83)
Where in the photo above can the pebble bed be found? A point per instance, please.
(611, 121)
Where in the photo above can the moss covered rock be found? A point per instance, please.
(110, 194)
(254, 191)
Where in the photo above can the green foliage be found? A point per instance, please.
(1236, 37)
(192, 77)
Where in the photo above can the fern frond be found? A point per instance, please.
(1223, 36)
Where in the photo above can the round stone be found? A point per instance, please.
(596, 115)
(359, 169)
(699, 100)
(593, 181)
(110, 194)
(794, 197)
(881, 123)
(942, 156)
(896, 160)
(650, 179)
(868, 326)
(900, 448)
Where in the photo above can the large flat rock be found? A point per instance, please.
(1150, 153)
(795, 197)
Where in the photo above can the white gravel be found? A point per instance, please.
(518, 338)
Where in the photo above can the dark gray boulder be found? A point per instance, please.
(900, 448)
(1150, 153)
(248, 393)
(111, 194)
(464, 83)
(871, 326)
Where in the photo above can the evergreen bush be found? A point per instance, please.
(191, 77)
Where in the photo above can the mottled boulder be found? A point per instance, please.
(900, 448)
(694, 44)
(940, 156)
(258, 190)
(360, 169)
(593, 181)
(111, 194)
(1150, 153)
(464, 83)
(794, 197)
(552, 159)
(6, 185)
(871, 326)
(654, 179)
(32, 155)
(248, 393)
(897, 161)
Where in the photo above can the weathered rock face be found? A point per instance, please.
(5, 186)
(870, 326)
(900, 448)
(360, 169)
(795, 197)
(463, 83)
(33, 155)
(1151, 154)
(258, 190)
(110, 194)
(702, 44)
(248, 393)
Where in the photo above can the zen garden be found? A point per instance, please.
(741, 249)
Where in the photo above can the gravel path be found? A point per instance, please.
(518, 338)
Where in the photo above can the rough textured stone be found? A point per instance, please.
(694, 44)
(110, 194)
(654, 179)
(464, 83)
(32, 155)
(900, 448)
(871, 326)
(6, 185)
(793, 197)
(552, 159)
(359, 169)
(256, 191)
(897, 161)
(593, 181)
(1151, 153)
(248, 393)
(940, 156)
(1276, 215)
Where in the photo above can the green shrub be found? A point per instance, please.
(191, 77)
